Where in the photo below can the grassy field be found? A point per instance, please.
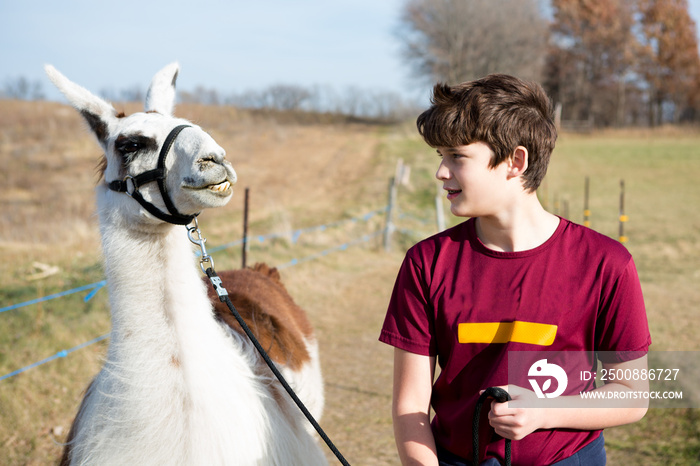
(300, 174)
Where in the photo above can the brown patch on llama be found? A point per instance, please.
(274, 317)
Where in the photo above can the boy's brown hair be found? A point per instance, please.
(499, 110)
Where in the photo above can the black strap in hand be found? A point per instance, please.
(499, 395)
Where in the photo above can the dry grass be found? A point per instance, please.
(659, 168)
(299, 175)
(304, 173)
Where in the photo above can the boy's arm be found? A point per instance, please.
(588, 414)
(413, 384)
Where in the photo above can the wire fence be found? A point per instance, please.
(294, 235)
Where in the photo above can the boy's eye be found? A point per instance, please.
(450, 155)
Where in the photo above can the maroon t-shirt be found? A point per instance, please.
(579, 283)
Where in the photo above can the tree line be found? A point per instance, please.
(352, 101)
(607, 62)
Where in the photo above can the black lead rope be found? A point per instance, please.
(223, 297)
(499, 395)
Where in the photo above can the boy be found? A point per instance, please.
(511, 264)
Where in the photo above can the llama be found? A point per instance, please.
(180, 383)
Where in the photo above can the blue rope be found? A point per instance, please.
(60, 354)
(97, 285)
(91, 294)
(325, 252)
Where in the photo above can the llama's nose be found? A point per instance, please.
(218, 155)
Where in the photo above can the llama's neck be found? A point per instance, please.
(159, 302)
(170, 365)
(154, 282)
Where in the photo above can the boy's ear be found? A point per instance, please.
(518, 162)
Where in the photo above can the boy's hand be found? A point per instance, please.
(516, 423)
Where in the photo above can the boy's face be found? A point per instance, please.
(473, 188)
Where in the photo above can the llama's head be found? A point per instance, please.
(173, 175)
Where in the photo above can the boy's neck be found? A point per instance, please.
(520, 228)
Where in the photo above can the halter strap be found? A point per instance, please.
(158, 175)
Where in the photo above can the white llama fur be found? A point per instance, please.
(177, 386)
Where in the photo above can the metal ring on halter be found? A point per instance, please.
(126, 185)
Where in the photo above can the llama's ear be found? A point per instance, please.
(98, 113)
(161, 94)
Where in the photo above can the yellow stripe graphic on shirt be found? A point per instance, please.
(504, 332)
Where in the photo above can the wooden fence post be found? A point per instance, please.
(245, 229)
(586, 210)
(622, 217)
(389, 224)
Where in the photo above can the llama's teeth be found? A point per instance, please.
(221, 187)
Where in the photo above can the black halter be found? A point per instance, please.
(158, 174)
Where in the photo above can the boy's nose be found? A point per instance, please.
(442, 172)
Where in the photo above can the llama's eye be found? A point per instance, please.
(130, 145)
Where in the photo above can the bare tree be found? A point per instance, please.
(592, 59)
(459, 40)
(276, 96)
(23, 89)
(671, 64)
(133, 93)
(619, 62)
(365, 103)
(286, 96)
(109, 94)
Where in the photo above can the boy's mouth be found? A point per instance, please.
(452, 193)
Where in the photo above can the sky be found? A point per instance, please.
(228, 45)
